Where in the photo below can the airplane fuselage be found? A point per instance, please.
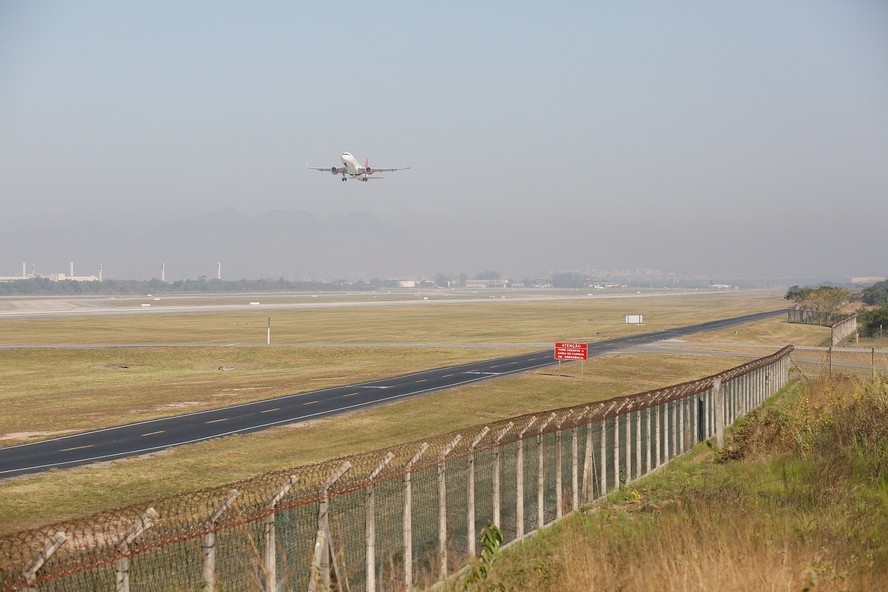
(351, 164)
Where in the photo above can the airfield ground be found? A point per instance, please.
(176, 367)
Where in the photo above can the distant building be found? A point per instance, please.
(485, 284)
(867, 280)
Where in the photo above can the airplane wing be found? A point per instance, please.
(334, 170)
(378, 170)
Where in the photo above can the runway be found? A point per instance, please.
(159, 434)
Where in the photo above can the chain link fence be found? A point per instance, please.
(844, 361)
(390, 519)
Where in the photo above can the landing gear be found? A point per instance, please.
(343, 177)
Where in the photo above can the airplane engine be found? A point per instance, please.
(334, 171)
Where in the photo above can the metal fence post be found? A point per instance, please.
(470, 492)
(208, 542)
(408, 518)
(121, 566)
(370, 523)
(519, 481)
(442, 507)
(30, 571)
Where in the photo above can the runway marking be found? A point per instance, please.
(76, 448)
(485, 373)
(270, 410)
(448, 375)
(351, 394)
(153, 433)
(423, 380)
(311, 402)
(217, 420)
(375, 387)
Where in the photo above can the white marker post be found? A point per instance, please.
(268, 339)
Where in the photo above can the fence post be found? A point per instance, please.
(121, 566)
(442, 506)
(616, 449)
(320, 568)
(519, 482)
(574, 462)
(497, 470)
(873, 353)
(559, 494)
(208, 542)
(639, 469)
(657, 435)
(829, 354)
(541, 475)
(719, 414)
(408, 518)
(629, 444)
(588, 490)
(470, 492)
(650, 440)
(370, 523)
(30, 571)
(270, 535)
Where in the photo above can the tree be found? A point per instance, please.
(873, 321)
(876, 294)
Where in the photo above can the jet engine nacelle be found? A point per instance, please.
(334, 171)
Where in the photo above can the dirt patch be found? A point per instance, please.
(28, 436)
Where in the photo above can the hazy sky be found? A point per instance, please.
(731, 138)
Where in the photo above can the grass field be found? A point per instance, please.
(53, 390)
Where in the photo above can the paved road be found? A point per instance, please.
(151, 436)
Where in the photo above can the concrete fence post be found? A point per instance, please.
(629, 441)
(442, 507)
(408, 517)
(559, 492)
(122, 565)
(616, 451)
(519, 481)
(541, 473)
(320, 570)
(30, 571)
(719, 414)
(271, 536)
(648, 466)
(658, 446)
(497, 472)
(470, 493)
(638, 466)
(575, 461)
(370, 523)
(208, 542)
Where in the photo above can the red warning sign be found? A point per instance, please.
(571, 351)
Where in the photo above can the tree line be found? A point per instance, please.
(871, 321)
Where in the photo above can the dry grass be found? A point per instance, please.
(55, 391)
(52, 390)
(498, 321)
(27, 502)
(806, 511)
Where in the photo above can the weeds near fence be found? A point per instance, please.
(797, 502)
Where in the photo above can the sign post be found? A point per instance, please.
(572, 351)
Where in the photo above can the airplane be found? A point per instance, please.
(351, 166)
